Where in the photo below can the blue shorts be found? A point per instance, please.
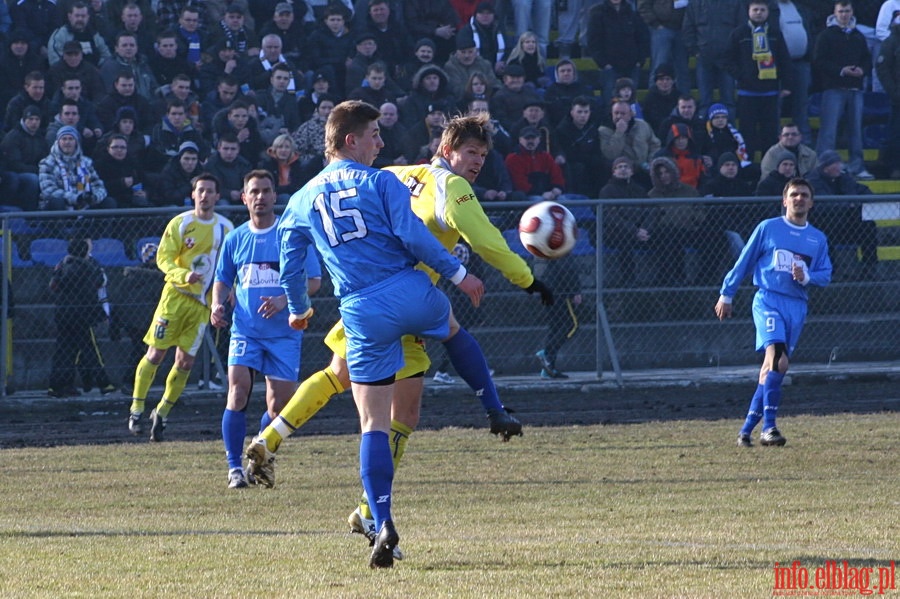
(274, 357)
(778, 319)
(376, 318)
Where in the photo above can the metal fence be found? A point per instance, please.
(646, 303)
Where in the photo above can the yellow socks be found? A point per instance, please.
(310, 397)
(143, 378)
(175, 384)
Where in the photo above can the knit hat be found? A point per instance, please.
(529, 131)
(727, 157)
(188, 146)
(126, 112)
(424, 42)
(465, 39)
(484, 7)
(716, 110)
(785, 155)
(31, 110)
(67, 130)
(828, 157)
(665, 70)
(514, 70)
(622, 160)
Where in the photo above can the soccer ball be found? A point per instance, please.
(548, 230)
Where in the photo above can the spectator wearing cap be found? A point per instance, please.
(175, 186)
(842, 221)
(391, 35)
(20, 59)
(78, 29)
(723, 137)
(664, 19)
(534, 114)
(31, 94)
(466, 62)
(618, 41)
(534, 172)
(575, 145)
(791, 140)
(662, 97)
(434, 19)
(630, 137)
(22, 149)
(121, 174)
(306, 105)
(234, 28)
(68, 178)
(565, 88)
(785, 169)
(366, 53)
(758, 59)
(224, 61)
(431, 87)
(287, 25)
(330, 46)
(423, 56)
(527, 54)
(259, 69)
(74, 65)
(421, 133)
(887, 66)
(492, 43)
(509, 101)
(126, 58)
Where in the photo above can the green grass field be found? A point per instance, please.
(642, 510)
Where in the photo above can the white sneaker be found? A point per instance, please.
(211, 385)
(366, 527)
(865, 175)
(443, 378)
(236, 479)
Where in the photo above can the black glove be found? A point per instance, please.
(546, 292)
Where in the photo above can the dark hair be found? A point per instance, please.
(122, 34)
(229, 137)
(34, 76)
(259, 173)
(581, 101)
(175, 103)
(798, 182)
(78, 247)
(68, 102)
(281, 66)
(205, 176)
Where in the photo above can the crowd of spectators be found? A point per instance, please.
(118, 103)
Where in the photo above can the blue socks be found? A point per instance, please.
(468, 360)
(771, 398)
(755, 413)
(264, 421)
(234, 429)
(376, 469)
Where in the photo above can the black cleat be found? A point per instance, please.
(744, 440)
(504, 424)
(772, 437)
(383, 551)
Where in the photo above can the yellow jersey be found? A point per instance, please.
(190, 244)
(447, 205)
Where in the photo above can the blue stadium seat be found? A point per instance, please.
(48, 251)
(110, 252)
(583, 245)
(515, 244)
(17, 261)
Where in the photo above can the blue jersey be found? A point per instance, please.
(360, 220)
(250, 265)
(772, 250)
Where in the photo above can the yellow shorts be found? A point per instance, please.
(179, 321)
(415, 358)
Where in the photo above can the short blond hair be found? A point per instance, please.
(463, 129)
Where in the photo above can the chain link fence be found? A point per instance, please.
(646, 300)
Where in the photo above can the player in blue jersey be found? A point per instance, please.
(787, 255)
(261, 338)
(361, 221)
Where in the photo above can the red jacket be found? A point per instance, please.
(534, 172)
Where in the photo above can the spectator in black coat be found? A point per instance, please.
(575, 144)
(121, 174)
(20, 59)
(175, 186)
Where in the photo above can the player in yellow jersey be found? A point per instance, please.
(442, 196)
(187, 255)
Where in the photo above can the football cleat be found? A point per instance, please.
(443, 378)
(157, 426)
(261, 462)
(772, 437)
(134, 423)
(383, 547)
(553, 373)
(236, 479)
(541, 355)
(504, 424)
(743, 440)
(366, 527)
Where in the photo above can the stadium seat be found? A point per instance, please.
(48, 251)
(17, 261)
(110, 252)
(515, 244)
(140, 243)
(583, 245)
(876, 105)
